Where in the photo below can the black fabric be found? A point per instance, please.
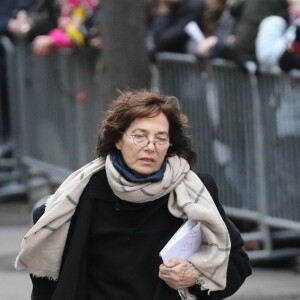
(167, 30)
(124, 245)
(72, 283)
(44, 14)
(9, 9)
(289, 61)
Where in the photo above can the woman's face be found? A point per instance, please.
(145, 160)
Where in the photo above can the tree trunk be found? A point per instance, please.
(125, 59)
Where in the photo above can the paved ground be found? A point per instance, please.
(13, 285)
(268, 282)
(13, 225)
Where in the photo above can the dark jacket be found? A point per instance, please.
(45, 14)
(72, 283)
(167, 30)
(9, 9)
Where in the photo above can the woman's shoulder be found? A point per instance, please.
(209, 183)
(206, 177)
(99, 176)
(95, 183)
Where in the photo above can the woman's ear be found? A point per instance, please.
(118, 144)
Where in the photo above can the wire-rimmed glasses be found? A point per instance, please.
(141, 141)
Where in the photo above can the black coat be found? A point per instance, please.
(72, 283)
(167, 30)
(9, 9)
(45, 14)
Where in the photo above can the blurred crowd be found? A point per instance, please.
(265, 31)
(52, 24)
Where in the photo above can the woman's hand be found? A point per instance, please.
(178, 274)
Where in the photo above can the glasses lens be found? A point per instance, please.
(162, 146)
(161, 141)
(140, 140)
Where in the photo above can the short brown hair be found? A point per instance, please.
(131, 105)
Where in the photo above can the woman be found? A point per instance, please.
(124, 207)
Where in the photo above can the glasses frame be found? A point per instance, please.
(168, 144)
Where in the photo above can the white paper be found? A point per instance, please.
(184, 243)
(195, 33)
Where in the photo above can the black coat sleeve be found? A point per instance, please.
(44, 15)
(169, 35)
(168, 29)
(239, 265)
(42, 288)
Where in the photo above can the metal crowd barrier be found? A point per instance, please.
(245, 127)
(5, 143)
(11, 185)
(57, 108)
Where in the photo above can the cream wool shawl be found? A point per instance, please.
(43, 245)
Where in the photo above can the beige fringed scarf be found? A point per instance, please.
(43, 245)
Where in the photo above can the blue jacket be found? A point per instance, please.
(8, 10)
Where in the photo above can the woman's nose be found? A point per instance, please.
(150, 145)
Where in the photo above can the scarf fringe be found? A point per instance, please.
(42, 276)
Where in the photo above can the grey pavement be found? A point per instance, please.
(271, 282)
(14, 222)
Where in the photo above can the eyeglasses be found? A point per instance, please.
(141, 141)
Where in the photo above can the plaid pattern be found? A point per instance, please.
(42, 247)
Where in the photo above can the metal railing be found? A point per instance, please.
(245, 126)
(57, 108)
(11, 185)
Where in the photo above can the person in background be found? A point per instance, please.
(38, 19)
(199, 44)
(278, 39)
(175, 22)
(106, 224)
(71, 31)
(8, 10)
(246, 15)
